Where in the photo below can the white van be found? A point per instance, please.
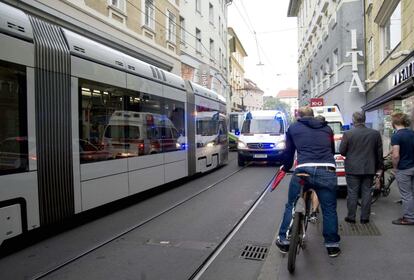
(262, 137)
(335, 120)
(135, 134)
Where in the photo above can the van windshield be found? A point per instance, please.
(336, 127)
(263, 126)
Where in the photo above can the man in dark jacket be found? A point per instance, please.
(313, 141)
(362, 148)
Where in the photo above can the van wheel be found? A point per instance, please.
(240, 161)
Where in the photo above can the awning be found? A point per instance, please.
(397, 92)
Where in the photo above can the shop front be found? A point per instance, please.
(395, 92)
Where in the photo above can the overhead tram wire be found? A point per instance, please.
(176, 29)
(251, 29)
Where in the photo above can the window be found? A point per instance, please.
(198, 40)
(211, 13)
(119, 123)
(212, 50)
(198, 6)
(149, 14)
(311, 88)
(327, 73)
(118, 4)
(14, 154)
(321, 78)
(182, 30)
(335, 65)
(391, 31)
(370, 56)
(171, 27)
(220, 58)
(220, 26)
(209, 122)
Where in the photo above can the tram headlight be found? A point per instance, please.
(241, 145)
(281, 145)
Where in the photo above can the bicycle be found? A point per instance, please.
(300, 219)
(385, 183)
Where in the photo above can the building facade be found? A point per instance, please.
(204, 45)
(290, 97)
(331, 52)
(237, 55)
(389, 43)
(252, 96)
(145, 29)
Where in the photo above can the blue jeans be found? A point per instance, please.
(324, 182)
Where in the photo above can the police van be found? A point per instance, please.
(262, 137)
(335, 120)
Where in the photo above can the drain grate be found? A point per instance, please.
(369, 229)
(254, 252)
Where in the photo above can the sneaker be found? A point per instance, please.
(403, 221)
(283, 248)
(313, 218)
(364, 221)
(333, 251)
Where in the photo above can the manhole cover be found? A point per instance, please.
(254, 252)
(369, 229)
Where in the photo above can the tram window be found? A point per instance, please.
(174, 132)
(126, 123)
(13, 115)
(207, 125)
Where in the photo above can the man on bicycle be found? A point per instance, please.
(313, 141)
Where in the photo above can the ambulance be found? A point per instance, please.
(262, 137)
(335, 120)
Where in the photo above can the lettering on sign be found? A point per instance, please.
(315, 102)
(356, 80)
(404, 73)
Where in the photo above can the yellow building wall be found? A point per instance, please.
(384, 66)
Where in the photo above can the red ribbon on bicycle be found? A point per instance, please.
(278, 178)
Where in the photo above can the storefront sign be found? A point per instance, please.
(356, 80)
(404, 73)
(315, 102)
(205, 75)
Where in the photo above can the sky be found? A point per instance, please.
(277, 42)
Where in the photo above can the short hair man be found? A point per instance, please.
(362, 147)
(312, 139)
(402, 143)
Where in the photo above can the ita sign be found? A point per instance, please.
(356, 80)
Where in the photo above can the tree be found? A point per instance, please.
(273, 103)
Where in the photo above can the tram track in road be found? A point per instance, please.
(213, 255)
(63, 264)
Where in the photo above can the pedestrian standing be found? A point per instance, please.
(362, 149)
(402, 143)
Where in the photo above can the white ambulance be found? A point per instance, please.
(335, 120)
(262, 137)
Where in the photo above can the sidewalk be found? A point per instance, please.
(378, 251)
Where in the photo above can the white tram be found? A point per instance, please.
(83, 125)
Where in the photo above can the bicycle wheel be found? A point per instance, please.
(294, 241)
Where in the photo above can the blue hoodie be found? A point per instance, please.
(312, 139)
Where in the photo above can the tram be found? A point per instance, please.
(83, 125)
